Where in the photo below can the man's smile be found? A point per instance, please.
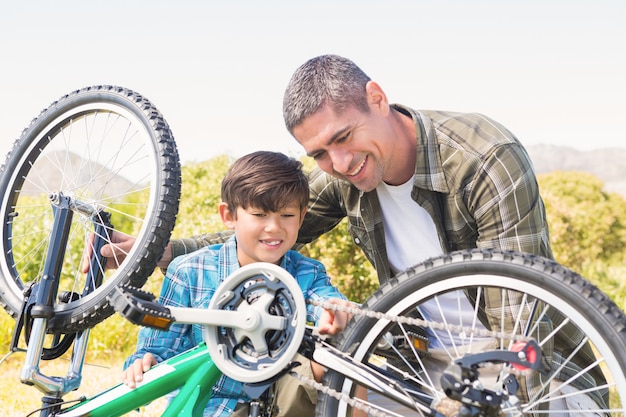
(357, 170)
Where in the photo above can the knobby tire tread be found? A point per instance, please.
(162, 221)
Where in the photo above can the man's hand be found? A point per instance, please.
(116, 251)
(134, 373)
(331, 322)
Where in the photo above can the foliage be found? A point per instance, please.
(586, 222)
(201, 194)
(350, 270)
(587, 225)
(587, 229)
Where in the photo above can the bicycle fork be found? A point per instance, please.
(41, 308)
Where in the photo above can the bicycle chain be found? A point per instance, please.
(339, 396)
(435, 326)
(417, 322)
(408, 321)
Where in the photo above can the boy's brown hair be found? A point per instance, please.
(265, 180)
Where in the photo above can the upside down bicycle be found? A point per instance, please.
(103, 160)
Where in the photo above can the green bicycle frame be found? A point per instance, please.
(193, 372)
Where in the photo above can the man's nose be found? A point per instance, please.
(341, 161)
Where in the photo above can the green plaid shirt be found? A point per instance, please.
(473, 177)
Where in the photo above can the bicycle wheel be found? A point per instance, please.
(111, 150)
(581, 333)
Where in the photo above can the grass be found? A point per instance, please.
(98, 374)
(110, 342)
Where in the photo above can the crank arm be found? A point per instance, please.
(140, 307)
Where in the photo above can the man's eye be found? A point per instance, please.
(319, 155)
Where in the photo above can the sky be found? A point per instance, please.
(552, 71)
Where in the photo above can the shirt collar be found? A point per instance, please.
(428, 167)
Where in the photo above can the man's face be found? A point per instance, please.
(352, 145)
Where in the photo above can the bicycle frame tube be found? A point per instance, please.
(193, 372)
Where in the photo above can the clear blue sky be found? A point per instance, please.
(551, 71)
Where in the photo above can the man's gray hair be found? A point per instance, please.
(326, 79)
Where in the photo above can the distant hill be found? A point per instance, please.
(607, 164)
(47, 169)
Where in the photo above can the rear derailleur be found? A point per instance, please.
(460, 381)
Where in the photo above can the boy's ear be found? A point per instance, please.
(228, 217)
(302, 215)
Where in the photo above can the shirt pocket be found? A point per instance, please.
(460, 225)
(361, 238)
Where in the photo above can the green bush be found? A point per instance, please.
(587, 227)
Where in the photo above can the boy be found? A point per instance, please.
(264, 200)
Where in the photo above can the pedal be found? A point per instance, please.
(140, 307)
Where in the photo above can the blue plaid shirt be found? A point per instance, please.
(191, 281)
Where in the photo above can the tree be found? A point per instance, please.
(586, 223)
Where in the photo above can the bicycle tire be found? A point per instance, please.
(558, 287)
(110, 148)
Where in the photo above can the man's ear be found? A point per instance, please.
(376, 97)
(227, 216)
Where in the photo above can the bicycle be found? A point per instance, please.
(390, 346)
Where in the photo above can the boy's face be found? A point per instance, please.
(263, 236)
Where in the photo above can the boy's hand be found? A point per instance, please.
(134, 373)
(333, 322)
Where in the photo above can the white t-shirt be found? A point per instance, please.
(410, 238)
